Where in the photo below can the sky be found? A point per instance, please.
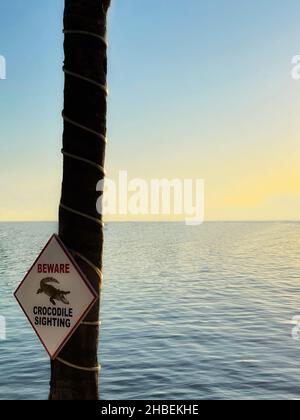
(198, 89)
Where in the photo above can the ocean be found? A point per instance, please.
(187, 312)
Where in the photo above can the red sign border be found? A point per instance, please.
(84, 278)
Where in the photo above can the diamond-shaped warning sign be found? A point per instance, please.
(55, 296)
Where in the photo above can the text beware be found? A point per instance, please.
(53, 268)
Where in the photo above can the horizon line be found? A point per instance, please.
(169, 221)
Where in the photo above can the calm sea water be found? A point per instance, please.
(188, 312)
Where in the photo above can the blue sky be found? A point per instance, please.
(197, 88)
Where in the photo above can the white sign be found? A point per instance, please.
(55, 296)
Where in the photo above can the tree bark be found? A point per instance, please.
(85, 104)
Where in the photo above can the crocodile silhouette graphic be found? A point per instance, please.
(51, 291)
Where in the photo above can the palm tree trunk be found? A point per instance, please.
(80, 226)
